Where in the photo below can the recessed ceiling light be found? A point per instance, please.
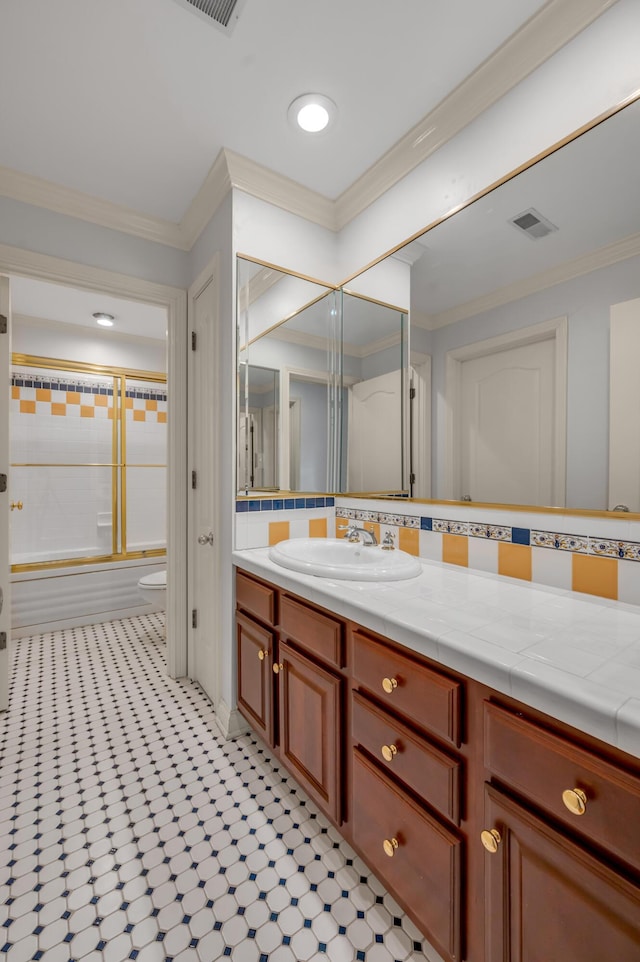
(104, 320)
(312, 112)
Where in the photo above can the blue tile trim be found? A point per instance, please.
(254, 505)
(282, 504)
(521, 535)
(266, 505)
(242, 506)
(426, 524)
(53, 385)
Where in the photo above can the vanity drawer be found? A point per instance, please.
(313, 630)
(541, 766)
(407, 686)
(423, 868)
(255, 597)
(426, 770)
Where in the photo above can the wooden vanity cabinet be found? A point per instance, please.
(506, 835)
(562, 833)
(291, 687)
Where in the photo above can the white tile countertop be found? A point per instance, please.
(574, 656)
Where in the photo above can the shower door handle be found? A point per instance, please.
(206, 538)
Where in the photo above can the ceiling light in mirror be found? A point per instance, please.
(312, 112)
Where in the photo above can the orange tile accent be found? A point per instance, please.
(278, 531)
(595, 576)
(87, 411)
(59, 409)
(128, 402)
(455, 550)
(27, 407)
(110, 414)
(317, 528)
(409, 540)
(162, 417)
(43, 394)
(15, 392)
(139, 415)
(151, 405)
(73, 397)
(100, 400)
(514, 560)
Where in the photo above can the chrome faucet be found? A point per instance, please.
(354, 533)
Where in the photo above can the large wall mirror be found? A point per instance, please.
(321, 373)
(527, 303)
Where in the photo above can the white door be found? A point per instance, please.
(375, 434)
(5, 587)
(506, 427)
(202, 657)
(624, 406)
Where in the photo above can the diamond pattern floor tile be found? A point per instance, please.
(130, 830)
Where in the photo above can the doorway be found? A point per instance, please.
(26, 264)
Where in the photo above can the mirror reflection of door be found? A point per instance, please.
(258, 430)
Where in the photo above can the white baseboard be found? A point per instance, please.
(229, 721)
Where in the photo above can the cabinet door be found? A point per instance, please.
(255, 677)
(549, 899)
(310, 727)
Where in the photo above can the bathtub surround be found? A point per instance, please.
(585, 552)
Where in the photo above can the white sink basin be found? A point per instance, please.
(346, 561)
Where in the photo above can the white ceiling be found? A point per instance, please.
(132, 100)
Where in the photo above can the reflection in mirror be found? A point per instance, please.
(516, 299)
(287, 331)
(321, 387)
(374, 358)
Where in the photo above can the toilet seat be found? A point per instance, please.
(157, 581)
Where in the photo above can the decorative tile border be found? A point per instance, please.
(282, 504)
(81, 386)
(559, 541)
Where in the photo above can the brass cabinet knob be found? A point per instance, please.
(388, 752)
(389, 684)
(16, 506)
(390, 845)
(491, 838)
(277, 668)
(262, 654)
(575, 800)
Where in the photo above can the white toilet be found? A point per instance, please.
(153, 589)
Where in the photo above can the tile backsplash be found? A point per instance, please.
(580, 552)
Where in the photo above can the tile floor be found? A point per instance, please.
(131, 830)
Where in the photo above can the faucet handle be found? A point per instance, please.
(387, 542)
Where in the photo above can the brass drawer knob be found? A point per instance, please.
(262, 654)
(389, 685)
(575, 800)
(390, 845)
(388, 752)
(16, 506)
(491, 838)
(277, 668)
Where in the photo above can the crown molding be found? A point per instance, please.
(558, 22)
(595, 260)
(542, 36)
(283, 192)
(74, 203)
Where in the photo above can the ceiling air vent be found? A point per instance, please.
(533, 224)
(223, 13)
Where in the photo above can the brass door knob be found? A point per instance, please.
(16, 506)
(575, 800)
(390, 845)
(262, 654)
(389, 684)
(388, 752)
(277, 668)
(491, 838)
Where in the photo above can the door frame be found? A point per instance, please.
(554, 329)
(14, 260)
(209, 275)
